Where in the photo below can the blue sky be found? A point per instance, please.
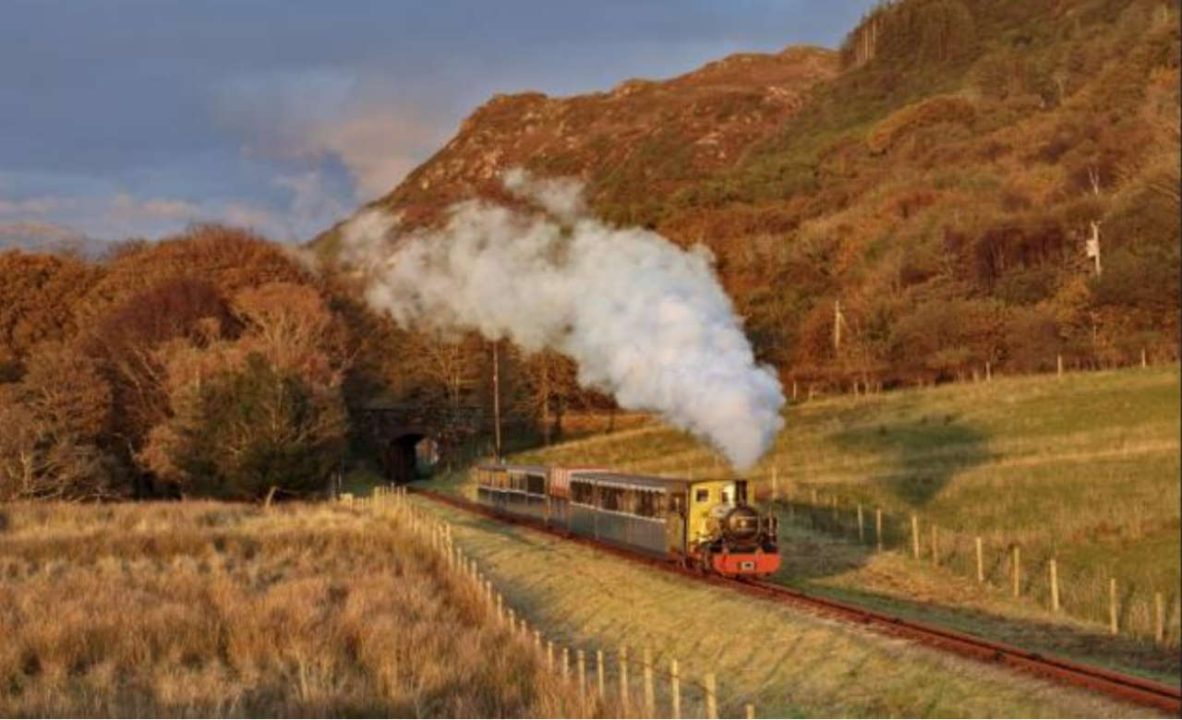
(137, 117)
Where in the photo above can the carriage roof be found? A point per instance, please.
(530, 469)
(607, 477)
(642, 481)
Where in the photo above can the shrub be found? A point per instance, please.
(244, 431)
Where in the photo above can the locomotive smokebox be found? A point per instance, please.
(740, 526)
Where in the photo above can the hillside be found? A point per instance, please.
(1083, 469)
(939, 175)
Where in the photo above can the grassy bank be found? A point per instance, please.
(1083, 469)
(784, 662)
(202, 609)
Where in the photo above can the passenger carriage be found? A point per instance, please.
(707, 524)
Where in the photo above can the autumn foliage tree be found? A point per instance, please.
(257, 411)
(210, 363)
(55, 422)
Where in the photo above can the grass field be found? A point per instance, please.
(1084, 469)
(202, 609)
(786, 663)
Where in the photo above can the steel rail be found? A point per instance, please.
(1114, 684)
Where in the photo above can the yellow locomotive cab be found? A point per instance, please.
(703, 496)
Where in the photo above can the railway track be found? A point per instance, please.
(1125, 687)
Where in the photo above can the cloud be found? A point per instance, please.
(37, 206)
(378, 146)
(122, 215)
(321, 116)
(248, 216)
(128, 209)
(312, 204)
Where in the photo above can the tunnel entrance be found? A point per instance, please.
(402, 457)
(405, 444)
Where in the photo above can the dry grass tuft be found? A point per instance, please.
(222, 610)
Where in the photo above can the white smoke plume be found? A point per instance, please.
(644, 320)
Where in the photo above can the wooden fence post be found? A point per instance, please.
(1144, 359)
(650, 703)
(1016, 570)
(935, 545)
(711, 697)
(861, 530)
(1059, 365)
(980, 561)
(550, 655)
(624, 678)
(878, 528)
(674, 691)
(1159, 618)
(750, 711)
(565, 663)
(1112, 619)
(988, 371)
(599, 674)
(1054, 586)
(914, 536)
(582, 666)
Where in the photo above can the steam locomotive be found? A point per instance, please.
(703, 524)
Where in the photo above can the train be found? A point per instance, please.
(708, 525)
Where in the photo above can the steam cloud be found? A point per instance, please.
(644, 320)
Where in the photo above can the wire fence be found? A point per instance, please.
(619, 681)
(1125, 606)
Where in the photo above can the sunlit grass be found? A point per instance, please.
(1083, 468)
(785, 662)
(202, 609)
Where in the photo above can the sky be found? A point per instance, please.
(136, 118)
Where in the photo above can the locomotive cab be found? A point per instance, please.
(726, 534)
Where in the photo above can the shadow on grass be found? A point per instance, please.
(810, 558)
(924, 455)
(1094, 647)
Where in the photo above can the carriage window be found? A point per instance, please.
(581, 493)
(536, 484)
(611, 498)
(702, 495)
(649, 503)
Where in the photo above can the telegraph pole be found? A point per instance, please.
(838, 321)
(1093, 246)
(497, 398)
